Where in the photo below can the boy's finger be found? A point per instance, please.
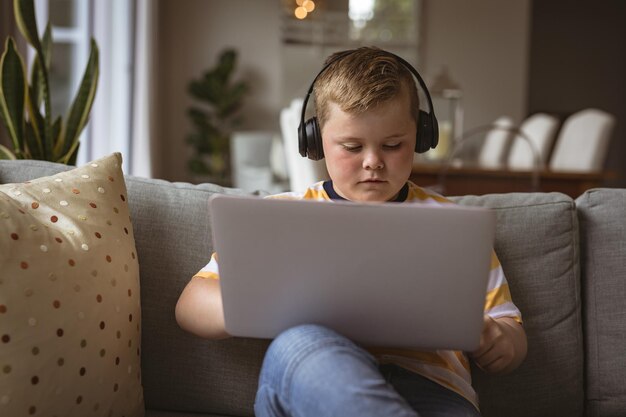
(482, 349)
(495, 366)
(488, 358)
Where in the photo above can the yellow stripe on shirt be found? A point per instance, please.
(495, 262)
(498, 296)
(207, 275)
(418, 193)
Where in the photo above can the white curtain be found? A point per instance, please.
(144, 96)
(122, 115)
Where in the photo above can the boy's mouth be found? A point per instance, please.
(373, 181)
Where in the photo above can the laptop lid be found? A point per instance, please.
(402, 275)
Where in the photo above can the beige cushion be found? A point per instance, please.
(69, 296)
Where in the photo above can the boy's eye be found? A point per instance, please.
(392, 145)
(351, 148)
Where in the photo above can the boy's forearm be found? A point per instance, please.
(516, 334)
(199, 309)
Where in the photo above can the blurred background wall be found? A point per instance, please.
(509, 57)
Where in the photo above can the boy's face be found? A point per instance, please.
(369, 156)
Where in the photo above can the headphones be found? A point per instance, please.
(310, 134)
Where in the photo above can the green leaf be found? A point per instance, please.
(232, 100)
(27, 22)
(37, 75)
(79, 111)
(38, 125)
(13, 93)
(33, 148)
(208, 89)
(227, 62)
(197, 166)
(74, 156)
(46, 44)
(5, 153)
(56, 129)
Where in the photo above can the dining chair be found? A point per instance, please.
(541, 129)
(583, 142)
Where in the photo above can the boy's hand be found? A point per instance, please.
(497, 352)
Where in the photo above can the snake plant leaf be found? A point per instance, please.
(38, 122)
(74, 156)
(27, 22)
(33, 147)
(5, 153)
(56, 129)
(38, 126)
(13, 92)
(36, 75)
(81, 106)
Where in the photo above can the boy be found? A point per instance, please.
(367, 110)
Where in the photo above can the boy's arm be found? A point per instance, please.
(503, 345)
(199, 309)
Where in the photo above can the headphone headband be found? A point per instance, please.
(309, 132)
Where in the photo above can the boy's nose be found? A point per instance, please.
(373, 161)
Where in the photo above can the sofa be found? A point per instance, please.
(565, 261)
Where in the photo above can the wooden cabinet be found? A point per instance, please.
(464, 181)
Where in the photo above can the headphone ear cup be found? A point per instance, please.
(313, 136)
(427, 132)
(302, 145)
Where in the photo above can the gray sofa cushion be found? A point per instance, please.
(601, 214)
(180, 371)
(537, 243)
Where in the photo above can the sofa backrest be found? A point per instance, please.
(182, 372)
(536, 241)
(537, 244)
(602, 215)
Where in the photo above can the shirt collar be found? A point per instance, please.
(330, 190)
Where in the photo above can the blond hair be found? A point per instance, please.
(362, 79)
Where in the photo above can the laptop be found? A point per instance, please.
(382, 274)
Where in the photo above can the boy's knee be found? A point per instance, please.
(294, 345)
(303, 339)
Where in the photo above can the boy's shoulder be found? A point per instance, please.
(417, 194)
(313, 192)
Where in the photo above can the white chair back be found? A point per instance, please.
(540, 129)
(496, 145)
(583, 142)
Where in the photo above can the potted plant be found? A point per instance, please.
(214, 119)
(35, 135)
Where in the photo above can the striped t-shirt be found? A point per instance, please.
(448, 368)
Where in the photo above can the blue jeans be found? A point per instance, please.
(310, 370)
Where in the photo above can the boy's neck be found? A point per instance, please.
(330, 190)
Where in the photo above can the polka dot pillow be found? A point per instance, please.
(69, 296)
